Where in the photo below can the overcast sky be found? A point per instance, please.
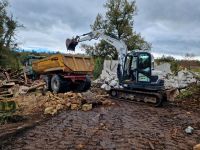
(172, 26)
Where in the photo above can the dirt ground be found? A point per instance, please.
(123, 126)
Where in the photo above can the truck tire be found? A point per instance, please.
(47, 80)
(83, 86)
(59, 85)
(87, 83)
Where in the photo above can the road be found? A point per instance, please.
(122, 126)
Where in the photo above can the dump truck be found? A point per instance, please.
(62, 72)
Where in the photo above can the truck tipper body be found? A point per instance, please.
(64, 72)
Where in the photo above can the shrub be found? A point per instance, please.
(98, 67)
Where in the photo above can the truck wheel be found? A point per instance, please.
(47, 80)
(58, 84)
(87, 83)
(84, 85)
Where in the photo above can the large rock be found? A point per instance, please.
(196, 147)
(164, 67)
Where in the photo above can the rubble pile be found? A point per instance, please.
(69, 100)
(182, 80)
(108, 77)
(72, 101)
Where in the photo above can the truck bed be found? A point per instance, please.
(64, 63)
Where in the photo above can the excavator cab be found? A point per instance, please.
(137, 72)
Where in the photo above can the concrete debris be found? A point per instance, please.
(182, 80)
(189, 130)
(163, 67)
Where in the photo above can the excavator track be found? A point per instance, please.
(155, 98)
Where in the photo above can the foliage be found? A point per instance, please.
(196, 70)
(174, 67)
(98, 67)
(165, 59)
(118, 22)
(189, 92)
(185, 94)
(8, 27)
(4, 117)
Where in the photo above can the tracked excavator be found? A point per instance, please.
(134, 70)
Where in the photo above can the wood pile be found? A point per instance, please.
(13, 83)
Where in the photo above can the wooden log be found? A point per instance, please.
(25, 76)
(6, 95)
(34, 87)
(7, 75)
(7, 85)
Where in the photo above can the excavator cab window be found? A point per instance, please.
(127, 68)
(130, 68)
(144, 67)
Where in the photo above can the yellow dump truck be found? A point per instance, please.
(63, 72)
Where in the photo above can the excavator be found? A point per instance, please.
(134, 70)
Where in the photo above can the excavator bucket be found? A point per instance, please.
(71, 44)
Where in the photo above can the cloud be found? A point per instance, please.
(171, 26)
(49, 23)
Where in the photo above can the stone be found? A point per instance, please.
(107, 88)
(189, 130)
(23, 89)
(103, 86)
(50, 110)
(196, 147)
(74, 107)
(59, 107)
(113, 83)
(172, 94)
(86, 107)
(164, 67)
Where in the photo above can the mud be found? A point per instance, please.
(122, 126)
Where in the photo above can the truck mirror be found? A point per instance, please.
(71, 44)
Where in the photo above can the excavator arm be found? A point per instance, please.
(114, 41)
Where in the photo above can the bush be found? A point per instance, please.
(98, 67)
(174, 67)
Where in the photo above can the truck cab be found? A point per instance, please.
(28, 65)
